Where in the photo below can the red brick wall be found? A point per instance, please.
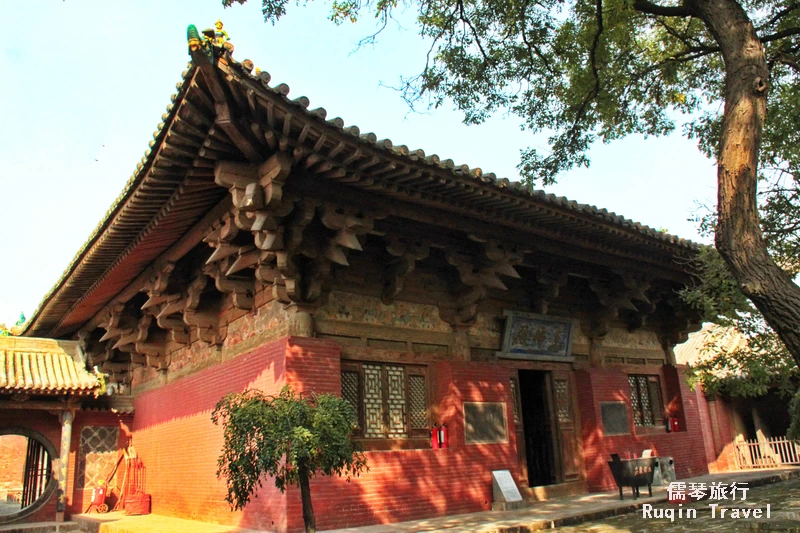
(685, 446)
(179, 445)
(78, 499)
(48, 426)
(413, 484)
(705, 425)
(313, 364)
(722, 432)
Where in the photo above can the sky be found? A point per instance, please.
(83, 85)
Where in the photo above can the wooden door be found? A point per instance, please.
(566, 428)
(519, 428)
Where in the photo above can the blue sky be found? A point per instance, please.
(83, 85)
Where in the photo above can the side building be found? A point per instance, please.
(260, 243)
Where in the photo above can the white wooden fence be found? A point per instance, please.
(767, 453)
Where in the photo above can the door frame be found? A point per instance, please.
(564, 371)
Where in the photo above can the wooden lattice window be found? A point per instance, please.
(97, 454)
(645, 400)
(391, 399)
(563, 411)
(515, 400)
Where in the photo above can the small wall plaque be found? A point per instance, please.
(615, 418)
(485, 422)
(537, 337)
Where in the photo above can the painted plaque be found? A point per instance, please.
(503, 487)
(485, 422)
(615, 418)
(538, 337)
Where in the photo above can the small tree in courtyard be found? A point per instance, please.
(289, 437)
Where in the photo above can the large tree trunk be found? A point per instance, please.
(305, 495)
(738, 238)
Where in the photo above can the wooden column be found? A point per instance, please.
(461, 350)
(301, 320)
(66, 418)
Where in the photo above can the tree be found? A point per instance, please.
(603, 69)
(742, 356)
(289, 437)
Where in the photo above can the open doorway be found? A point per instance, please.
(25, 474)
(538, 428)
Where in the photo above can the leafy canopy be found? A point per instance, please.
(280, 435)
(590, 70)
(743, 356)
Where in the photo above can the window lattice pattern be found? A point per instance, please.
(562, 400)
(515, 400)
(416, 402)
(645, 400)
(396, 401)
(98, 453)
(350, 388)
(655, 399)
(391, 399)
(373, 401)
(635, 408)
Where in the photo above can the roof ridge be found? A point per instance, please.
(462, 170)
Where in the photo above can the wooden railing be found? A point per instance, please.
(767, 453)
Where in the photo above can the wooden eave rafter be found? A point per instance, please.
(226, 114)
(363, 162)
(164, 198)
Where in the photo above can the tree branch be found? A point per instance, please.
(780, 35)
(786, 59)
(779, 15)
(595, 90)
(532, 48)
(475, 35)
(644, 6)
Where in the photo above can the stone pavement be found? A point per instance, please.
(558, 513)
(567, 511)
(783, 499)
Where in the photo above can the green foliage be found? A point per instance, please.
(749, 369)
(587, 70)
(715, 293)
(743, 356)
(794, 413)
(275, 435)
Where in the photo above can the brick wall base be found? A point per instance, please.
(685, 446)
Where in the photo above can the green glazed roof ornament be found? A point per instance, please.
(212, 41)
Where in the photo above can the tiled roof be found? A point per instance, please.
(42, 366)
(140, 225)
(476, 174)
(702, 344)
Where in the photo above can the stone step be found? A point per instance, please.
(550, 492)
(43, 527)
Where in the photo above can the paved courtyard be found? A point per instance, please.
(783, 497)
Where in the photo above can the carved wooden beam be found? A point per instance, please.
(118, 323)
(221, 239)
(407, 253)
(544, 287)
(611, 297)
(240, 288)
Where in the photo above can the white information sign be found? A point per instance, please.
(504, 489)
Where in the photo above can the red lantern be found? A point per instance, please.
(673, 423)
(444, 438)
